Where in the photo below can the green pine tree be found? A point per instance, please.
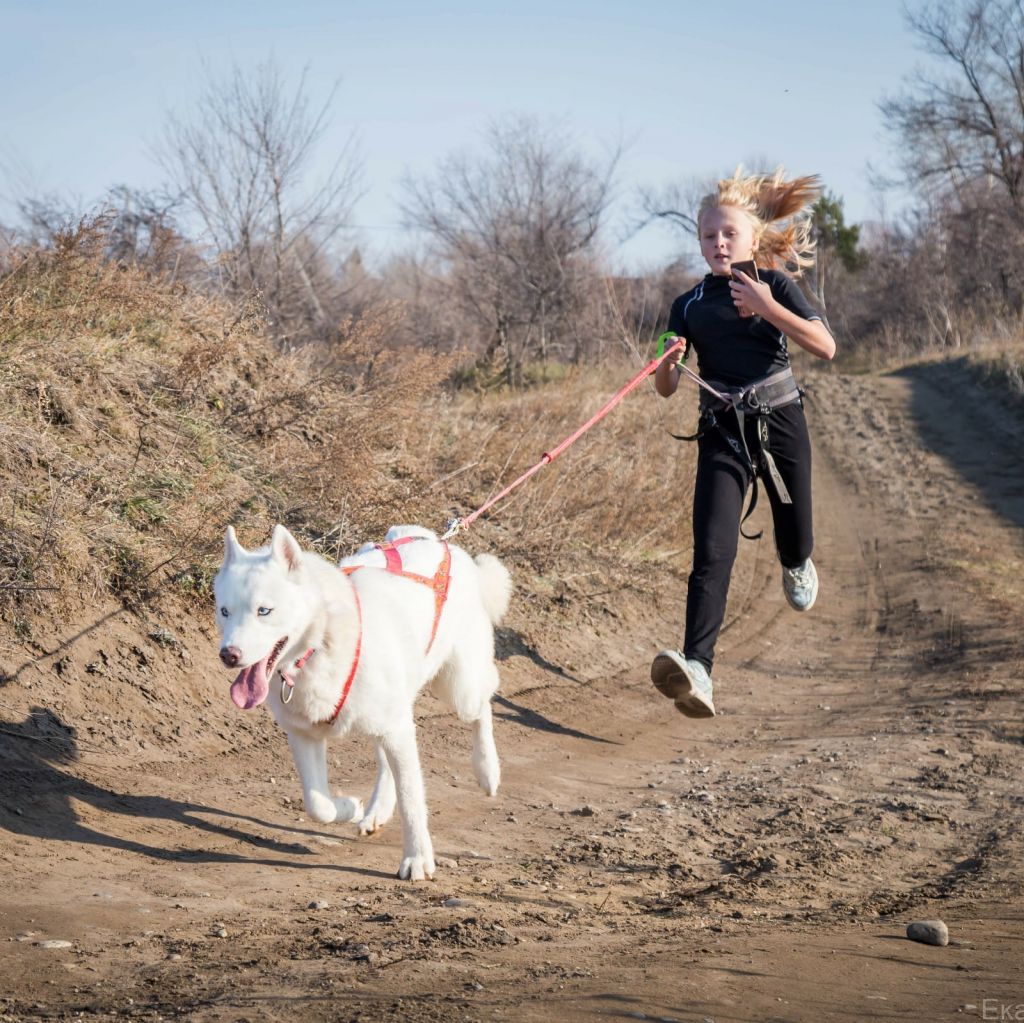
(836, 240)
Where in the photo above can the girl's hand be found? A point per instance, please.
(666, 377)
(752, 298)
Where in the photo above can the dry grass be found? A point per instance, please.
(138, 419)
(1001, 366)
(624, 488)
(902, 341)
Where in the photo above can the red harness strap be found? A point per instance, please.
(288, 682)
(355, 664)
(439, 582)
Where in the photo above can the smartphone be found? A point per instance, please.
(747, 266)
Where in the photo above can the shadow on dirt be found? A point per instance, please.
(617, 1006)
(64, 645)
(39, 794)
(531, 719)
(508, 643)
(983, 444)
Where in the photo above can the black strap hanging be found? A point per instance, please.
(758, 399)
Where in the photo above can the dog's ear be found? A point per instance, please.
(232, 548)
(285, 548)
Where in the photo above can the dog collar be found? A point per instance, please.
(288, 682)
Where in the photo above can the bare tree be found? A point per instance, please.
(43, 216)
(674, 204)
(959, 132)
(135, 227)
(964, 123)
(516, 231)
(242, 162)
(142, 229)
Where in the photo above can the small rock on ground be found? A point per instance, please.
(929, 932)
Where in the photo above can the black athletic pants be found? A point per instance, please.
(722, 483)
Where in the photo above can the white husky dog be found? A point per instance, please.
(350, 646)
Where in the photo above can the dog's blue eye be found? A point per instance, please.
(224, 611)
(263, 611)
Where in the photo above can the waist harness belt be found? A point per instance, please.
(758, 399)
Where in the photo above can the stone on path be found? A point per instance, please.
(929, 932)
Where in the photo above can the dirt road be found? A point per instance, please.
(865, 772)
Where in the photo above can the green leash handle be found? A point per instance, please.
(661, 344)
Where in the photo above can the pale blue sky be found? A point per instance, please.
(691, 88)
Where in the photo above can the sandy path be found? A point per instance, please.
(865, 771)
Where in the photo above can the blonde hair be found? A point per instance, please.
(778, 208)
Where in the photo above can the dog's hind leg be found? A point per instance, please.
(382, 802)
(418, 853)
(311, 762)
(466, 684)
(485, 755)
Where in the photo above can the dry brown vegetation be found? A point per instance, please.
(1001, 367)
(946, 274)
(140, 417)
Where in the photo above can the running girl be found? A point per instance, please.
(738, 324)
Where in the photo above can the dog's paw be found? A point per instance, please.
(348, 809)
(376, 817)
(416, 868)
(322, 809)
(488, 774)
(374, 821)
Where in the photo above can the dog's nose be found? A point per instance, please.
(230, 655)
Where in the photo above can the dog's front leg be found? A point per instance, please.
(311, 762)
(382, 802)
(418, 853)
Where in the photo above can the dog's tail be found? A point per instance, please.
(495, 586)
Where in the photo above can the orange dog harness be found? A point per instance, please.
(438, 583)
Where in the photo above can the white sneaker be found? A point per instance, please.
(687, 682)
(800, 585)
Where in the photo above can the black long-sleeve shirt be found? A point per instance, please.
(732, 349)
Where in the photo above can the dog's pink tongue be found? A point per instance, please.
(251, 687)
